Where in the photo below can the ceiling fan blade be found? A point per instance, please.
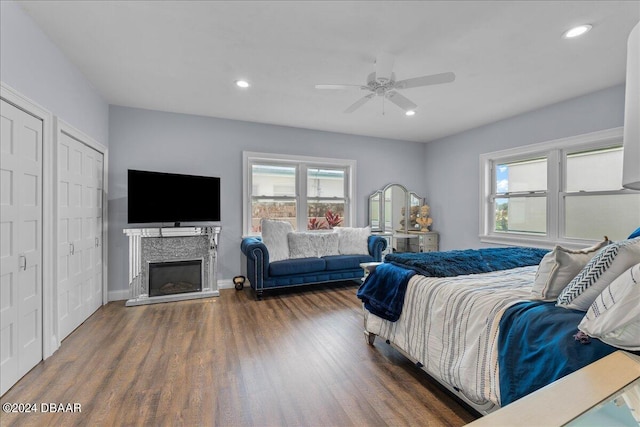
(359, 103)
(384, 66)
(400, 101)
(434, 79)
(338, 87)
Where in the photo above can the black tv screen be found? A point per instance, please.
(169, 197)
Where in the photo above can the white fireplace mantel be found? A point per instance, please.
(148, 245)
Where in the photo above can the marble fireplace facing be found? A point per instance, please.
(172, 264)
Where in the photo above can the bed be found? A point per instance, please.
(467, 319)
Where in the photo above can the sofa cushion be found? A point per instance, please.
(274, 237)
(296, 266)
(346, 262)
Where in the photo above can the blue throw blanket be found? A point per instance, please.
(383, 291)
(536, 346)
(468, 261)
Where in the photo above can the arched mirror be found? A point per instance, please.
(394, 209)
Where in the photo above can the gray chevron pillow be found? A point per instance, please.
(604, 268)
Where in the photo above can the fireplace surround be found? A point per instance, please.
(160, 250)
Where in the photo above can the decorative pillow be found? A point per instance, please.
(307, 245)
(559, 267)
(329, 244)
(274, 237)
(614, 317)
(353, 241)
(635, 234)
(603, 269)
(302, 245)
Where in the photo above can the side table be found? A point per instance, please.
(368, 267)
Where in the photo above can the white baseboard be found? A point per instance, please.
(226, 284)
(123, 294)
(119, 295)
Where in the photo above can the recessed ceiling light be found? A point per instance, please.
(577, 31)
(410, 113)
(242, 83)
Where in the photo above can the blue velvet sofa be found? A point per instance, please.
(264, 275)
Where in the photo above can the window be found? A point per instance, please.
(520, 196)
(593, 199)
(311, 193)
(567, 190)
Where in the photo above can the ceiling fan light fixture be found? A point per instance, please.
(577, 31)
(242, 84)
(410, 113)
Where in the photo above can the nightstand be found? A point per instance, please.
(427, 241)
(368, 267)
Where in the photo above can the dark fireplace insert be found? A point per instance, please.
(175, 277)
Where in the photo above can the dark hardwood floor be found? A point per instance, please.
(293, 359)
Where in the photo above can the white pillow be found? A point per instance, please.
(603, 269)
(307, 245)
(353, 241)
(274, 237)
(302, 245)
(329, 244)
(614, 317)
(558, 268)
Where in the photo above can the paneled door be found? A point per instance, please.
(80, 198)
(20, 243)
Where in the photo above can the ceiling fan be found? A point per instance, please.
(382, 83)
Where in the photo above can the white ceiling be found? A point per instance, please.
(183, 56)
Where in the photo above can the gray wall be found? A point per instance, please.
(452, 163)
(31, 64)
(168, 142)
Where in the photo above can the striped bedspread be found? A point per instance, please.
(450, 325)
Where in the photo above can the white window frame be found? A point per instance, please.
(302, 164)
(555, 151)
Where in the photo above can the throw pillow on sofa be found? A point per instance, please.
(559, 267)
(329, 244)
(307, 245)
(274, 237)
(603, 269)
(614, 316)
(353, 241)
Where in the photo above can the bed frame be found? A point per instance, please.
(485, 409)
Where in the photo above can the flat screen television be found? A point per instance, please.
(168, 197)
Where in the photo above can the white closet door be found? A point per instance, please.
(79, 232)
(20, 244)
(91, 247)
